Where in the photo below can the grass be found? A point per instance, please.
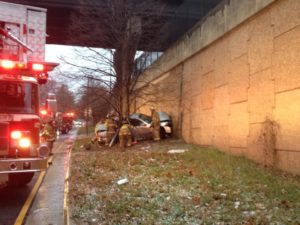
(82, 130)
(200, 186)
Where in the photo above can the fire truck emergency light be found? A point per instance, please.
(7, 64)
(16, 134)
(38, 67)
(31, 66)
(70, 114)
(24, 142)
(43, 112)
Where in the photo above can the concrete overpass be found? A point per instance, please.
(179, 16)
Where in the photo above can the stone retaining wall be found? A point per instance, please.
(233, 82)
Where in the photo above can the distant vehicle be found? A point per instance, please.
(78, 123)
(67, 123)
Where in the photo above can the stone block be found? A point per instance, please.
(238, 125)
(221, 106)
(285, 16)
(196, 111)
(196, 74)
(260, 42)
(196, 63)
(287, 115)
(288, 161)
(289, 38)
(196, 136)
(261, 96)
(186, 127)
(221, 137)
(205, 60)
(238, 151)
(187, 69)
(238, 79)
(207, 127)
(238, 41)
(196, 84)
(286, 63)
(221, 67)
(207, 91)
(186, 93)
(255, 143)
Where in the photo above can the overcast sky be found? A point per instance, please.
(55, 51)
(52, 54)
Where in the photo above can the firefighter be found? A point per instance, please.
(49, 133)
(111, 128)
(155, 124)
(125, 134)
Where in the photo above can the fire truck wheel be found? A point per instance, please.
(19, 179)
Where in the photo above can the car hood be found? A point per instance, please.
(162, 116)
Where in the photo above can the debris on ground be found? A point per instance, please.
(122, 181)
(176, 151)
(145, 148)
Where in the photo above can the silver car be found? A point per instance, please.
(141, 127)
(141, 124)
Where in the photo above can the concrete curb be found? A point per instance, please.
(66, 215)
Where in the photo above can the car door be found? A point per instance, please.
(140, 129)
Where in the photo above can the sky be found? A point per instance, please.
(53, 54)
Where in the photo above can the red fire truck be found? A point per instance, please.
(22, 71)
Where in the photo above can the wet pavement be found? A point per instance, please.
(48, 206)
(12, 200)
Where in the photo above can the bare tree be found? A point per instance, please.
(49, 87)
(122, 27)
(65, 99)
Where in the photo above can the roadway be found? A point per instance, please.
(42, 200)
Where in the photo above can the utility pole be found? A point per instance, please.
(87, 108)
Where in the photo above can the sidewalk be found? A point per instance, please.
(48, 206)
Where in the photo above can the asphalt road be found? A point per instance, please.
(12, 201)
(48, 205)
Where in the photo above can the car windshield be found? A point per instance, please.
(145, 118)
(164, 116)
(18, 97)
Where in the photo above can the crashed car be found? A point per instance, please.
(101, 132)
(141, 125)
